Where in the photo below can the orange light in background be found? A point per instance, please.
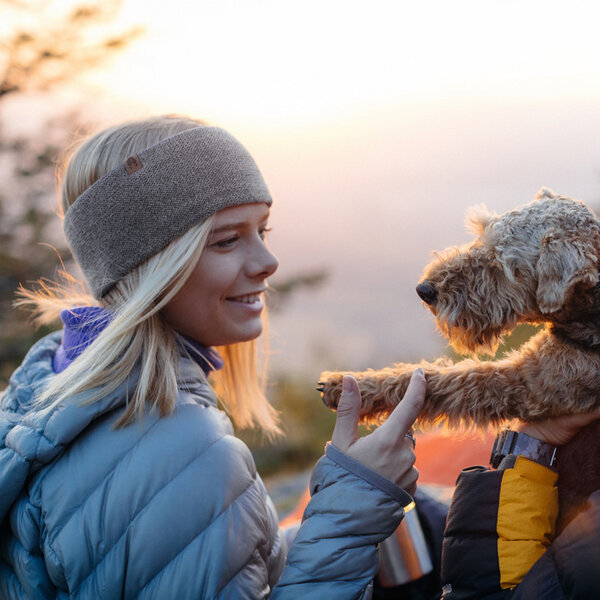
(440, 458)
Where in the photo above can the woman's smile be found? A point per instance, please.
(249, 299)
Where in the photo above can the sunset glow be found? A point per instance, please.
(293, 62)
(375, 125)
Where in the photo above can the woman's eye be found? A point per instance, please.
(263, 232)
(227, 242)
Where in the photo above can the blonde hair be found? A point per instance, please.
(138, 335)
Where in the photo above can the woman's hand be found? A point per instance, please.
(386, 450)
(558, 430)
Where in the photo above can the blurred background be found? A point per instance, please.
(376, 124)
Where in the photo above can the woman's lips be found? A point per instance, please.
(247, 299)
(250, 302)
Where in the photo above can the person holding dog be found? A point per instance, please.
(501, 537)
(120, 477)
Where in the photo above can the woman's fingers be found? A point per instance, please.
(386, 450)
(409, 480)
(346, 424)
(404, 415)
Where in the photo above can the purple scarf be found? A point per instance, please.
(84, 323)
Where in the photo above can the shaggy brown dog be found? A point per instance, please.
(536, 264)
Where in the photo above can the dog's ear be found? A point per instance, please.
(547, 194)
(477, 219)
(565, 261)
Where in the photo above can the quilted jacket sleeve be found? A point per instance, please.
(334, 554)
(171, 508)
(500, 523)
(569, 568)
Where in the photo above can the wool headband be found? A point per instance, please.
(135, 210)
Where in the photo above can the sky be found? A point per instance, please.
(376, 125)
(273, 63)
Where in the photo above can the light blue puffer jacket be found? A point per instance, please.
(170, 507)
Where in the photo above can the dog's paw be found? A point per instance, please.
(330, 386)
(375, 407)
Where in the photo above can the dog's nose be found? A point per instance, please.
(427, 292)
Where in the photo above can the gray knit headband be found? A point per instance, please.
(134, 211)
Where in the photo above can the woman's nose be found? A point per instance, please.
(263, 263)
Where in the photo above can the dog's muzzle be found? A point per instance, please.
(427, 292)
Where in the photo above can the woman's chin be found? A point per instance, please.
(246, 334)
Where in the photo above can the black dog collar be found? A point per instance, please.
(509, 442)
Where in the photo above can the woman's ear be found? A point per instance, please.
(565, 261)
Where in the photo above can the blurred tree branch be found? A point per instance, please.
(42, 51)
(280, 291)
(52, 53)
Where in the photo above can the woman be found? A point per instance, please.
(120, 478)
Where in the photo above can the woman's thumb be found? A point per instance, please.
(346, 425)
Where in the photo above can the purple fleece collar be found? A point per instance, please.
(82, 326)
(84, 323)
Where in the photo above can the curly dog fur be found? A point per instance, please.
(536, 264)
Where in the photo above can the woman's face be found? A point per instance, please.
(221, 302)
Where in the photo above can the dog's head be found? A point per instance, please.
(526, 265)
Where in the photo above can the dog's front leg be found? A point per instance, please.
(478, 393)
(469, 392)
(544, 378)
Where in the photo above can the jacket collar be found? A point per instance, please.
(31, 436)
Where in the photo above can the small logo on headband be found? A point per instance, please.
(133, 164)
